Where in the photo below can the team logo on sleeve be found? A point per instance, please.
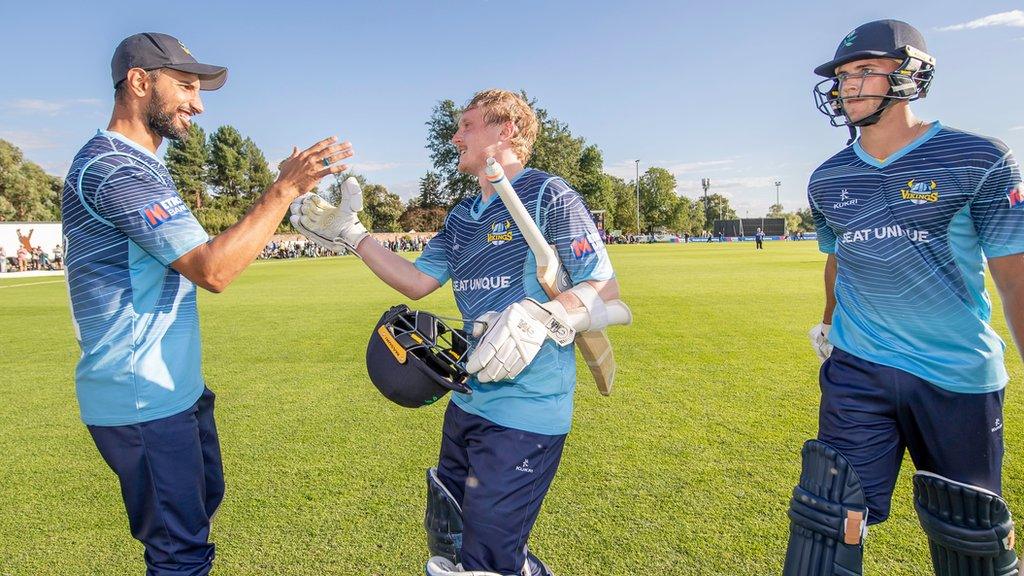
(585, 245)
(1016, 196)
(501, 232)
(159, 212)
(920, 192)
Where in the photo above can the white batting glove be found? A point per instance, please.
(513, 338)
(332, 227)
(819, 341)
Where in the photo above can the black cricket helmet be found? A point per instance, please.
(414, 358)
(878, 39)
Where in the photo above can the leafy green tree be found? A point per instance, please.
(704, 212)
(7, 211)
(432, 193)
(258, 176)
(658, 199)
(228, 162)
(806, 220)
(442, 125)
(775, 211)
(422, 219)
(594, 185)
(793, 222)
(382, 208)
(556, 150)
(688, 216)
(718, 208)
(186, 161)
(623, 210)
(28, 192)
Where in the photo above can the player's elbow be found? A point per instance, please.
(212, 278)
(420, 287)
(204, 269)
(414, 293)
(215, 287)
(212, 284)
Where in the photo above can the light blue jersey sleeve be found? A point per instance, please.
(998, 209)
(434, 260)
(826, 236)
(569, 227)
(136, 201)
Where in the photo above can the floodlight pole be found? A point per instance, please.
(705, 183)
(777, 184)
(637, 162)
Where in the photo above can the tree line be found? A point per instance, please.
(221, 175)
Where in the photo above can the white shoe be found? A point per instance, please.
(438, 566)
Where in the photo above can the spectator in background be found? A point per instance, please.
(58, 257)
(22, 259)
(42, 259)
(3, 261)
(759, 239)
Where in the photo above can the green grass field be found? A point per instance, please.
(686, 469)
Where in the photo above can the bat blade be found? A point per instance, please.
(594, 346)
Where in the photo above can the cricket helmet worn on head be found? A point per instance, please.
(878, 39)
(414, 358)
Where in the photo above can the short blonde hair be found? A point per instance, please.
(500, 106)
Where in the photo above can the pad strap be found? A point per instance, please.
(832, 520)
(828, 516)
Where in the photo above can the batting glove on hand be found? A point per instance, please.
(819, 341)
(332, 227)
(512, 338)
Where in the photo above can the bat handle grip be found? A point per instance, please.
(494, 171)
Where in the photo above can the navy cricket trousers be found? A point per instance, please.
(172, 482)
(500, 477)
(872, 413)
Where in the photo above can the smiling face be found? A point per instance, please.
(863, 84)
(174, 99)
(476, 140)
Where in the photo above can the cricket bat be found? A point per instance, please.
(594, 345)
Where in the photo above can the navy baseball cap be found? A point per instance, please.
(152, 50)
(878, 39)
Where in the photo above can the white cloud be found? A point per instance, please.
(405, 190)
(626, 169)
(56, 167)
(49, 107)
(752, 186)
(368, 166)
(1013, 19)
(1016, 128)
(32, 139)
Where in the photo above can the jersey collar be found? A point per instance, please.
(124, 140)
(869, 159)
(479, 204)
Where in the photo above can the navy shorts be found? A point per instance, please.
(500, 477)
(171, 482)
(872, 413)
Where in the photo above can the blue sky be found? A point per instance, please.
(706, 89)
